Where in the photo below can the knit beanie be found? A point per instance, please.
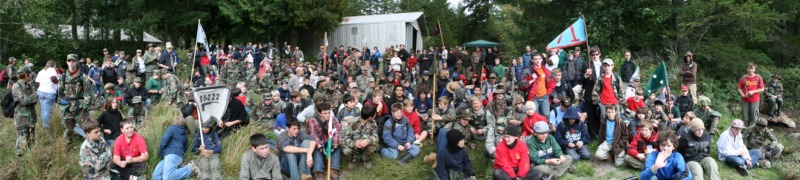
(453, 137)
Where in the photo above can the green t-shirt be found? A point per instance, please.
(154, 84)
(500, 71)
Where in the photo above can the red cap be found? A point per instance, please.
(684, 88)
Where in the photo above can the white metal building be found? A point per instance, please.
(375, 30)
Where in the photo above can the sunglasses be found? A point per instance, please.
(598, 54)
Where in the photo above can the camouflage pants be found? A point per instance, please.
(25, 135)
(363, 155)
(209, 167)
(70, 119)
(771, 151)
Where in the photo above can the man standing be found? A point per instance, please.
(47, 79)
(25, 112)
(150, 60)
(233, 72)
(689, 73)
(74, 91)
(750, 87)
(11, 72)
(168, 59)
(132, 68)
(629, 70)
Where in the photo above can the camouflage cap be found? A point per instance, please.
(157, 72)
(762, 122)
(12, 59)
(703, 101)
(465, 114)
(72, 57)
(210, 122)
(137, 99)
(137, 79)
(24, 70)
(266, 96)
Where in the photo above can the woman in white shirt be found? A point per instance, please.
(47, 79)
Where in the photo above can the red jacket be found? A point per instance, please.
(413, 119)
(508, 159)
(550, 85)
(411, 62)
(633, 147)
(384, 110)
(529, 121)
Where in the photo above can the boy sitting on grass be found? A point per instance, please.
(95, 154)
(259, 162)
(208, 163)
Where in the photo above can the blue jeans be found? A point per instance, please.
(739, 161)
(46, 101)
(441, 139)
(543, 105)
(319, 162)
(392, 152)
(78, 130)
(168, 168)
(295, 163)
(578, 153)
(110, 142)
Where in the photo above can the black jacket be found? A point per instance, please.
(684, 104)
(133, 92)
(695, 148)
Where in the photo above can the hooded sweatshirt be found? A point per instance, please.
(174, 141)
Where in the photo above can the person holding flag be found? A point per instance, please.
(325, 128)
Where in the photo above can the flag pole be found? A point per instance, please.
(433, 95)
(587, 36)
(330, 143)
(324, 53)
(191, 84)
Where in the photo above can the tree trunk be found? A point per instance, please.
(87, 13)
(74, 20)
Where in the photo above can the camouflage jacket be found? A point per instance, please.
(151, 61)
(755, 138)
(265, 114)
(464, 129)
(264, 85)
(25, 112)
(94, 159)
(706, 115)
(172, 89)
(333, 96)
(232, 73)
(360, 131)
(361, 81)
(11, 71)
(131, 68)
(448, 116)
(76, 90)
(774, 89)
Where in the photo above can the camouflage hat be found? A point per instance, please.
(72, 57)
(317, 96)
(157, 72)
(12, 59)
(762, 122)
(24, 70)
(703, 101)
(137, 99)
(502, 122)
(266, 96)
(210, 122)
(464, 114)
(137, 79)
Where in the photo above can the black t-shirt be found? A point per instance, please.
(110, 120)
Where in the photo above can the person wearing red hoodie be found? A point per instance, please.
(378, 103)
(537, 86)
(511, 158)
(641, 145)
(530, 119)
(413, 118)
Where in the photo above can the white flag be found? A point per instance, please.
(201, 36)
(211, 102)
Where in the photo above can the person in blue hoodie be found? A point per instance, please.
(398, 136)
(173, 144)
(453, 162)
(573, 135)
(208, 162)
(666, 163)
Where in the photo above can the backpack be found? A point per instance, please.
(382, 122)
(4, 77)
(8, 104)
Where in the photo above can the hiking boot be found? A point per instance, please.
(305, 177)
(319, 176)
(334, 174)
(368, 165)
(405, 158)
(195, 169)
(743, 171)
(764, 164)
(571, 169)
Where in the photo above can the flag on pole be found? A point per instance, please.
(326, 39)
(331, 132)
(201, 36)
(658, 80)
(574, 35)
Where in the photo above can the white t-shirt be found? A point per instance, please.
(140, 61)
(43, 78)
(396, 62)
(554, 59)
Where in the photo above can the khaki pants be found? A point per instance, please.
(603, 153)
(634, 162)
(556, 170)
(693, 91)
(707, 165)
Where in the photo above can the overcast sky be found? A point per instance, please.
(454, 3)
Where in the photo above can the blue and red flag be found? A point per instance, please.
(574, 35)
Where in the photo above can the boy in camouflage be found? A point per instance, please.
(172, 89)
(362, 139)
(266, 112)
(25, 111)
(75, 96)
(95, 154)
(138, 112)
(757, 136)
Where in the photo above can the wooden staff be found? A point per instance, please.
(433, 95)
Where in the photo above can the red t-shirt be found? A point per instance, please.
(411, 62)
(134, 148)
(749, 84)
(242, 99)
(607, 95)
(413, 119)
(204, 61)
(633, 105)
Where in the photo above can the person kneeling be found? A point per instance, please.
(511, 158)
(453, 162)
(546, 154)
(398, 136)
(642, 145)
(666, 163)
(259, 162)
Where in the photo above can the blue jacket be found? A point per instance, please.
(174, 141)
(675, 168)
(211, 140)
(402, 134)
(458, 161)
(566, 133)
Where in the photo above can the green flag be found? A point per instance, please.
(658, 80)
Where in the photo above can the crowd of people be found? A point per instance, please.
(535, 115)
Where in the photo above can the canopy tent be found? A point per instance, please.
(481, 43)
